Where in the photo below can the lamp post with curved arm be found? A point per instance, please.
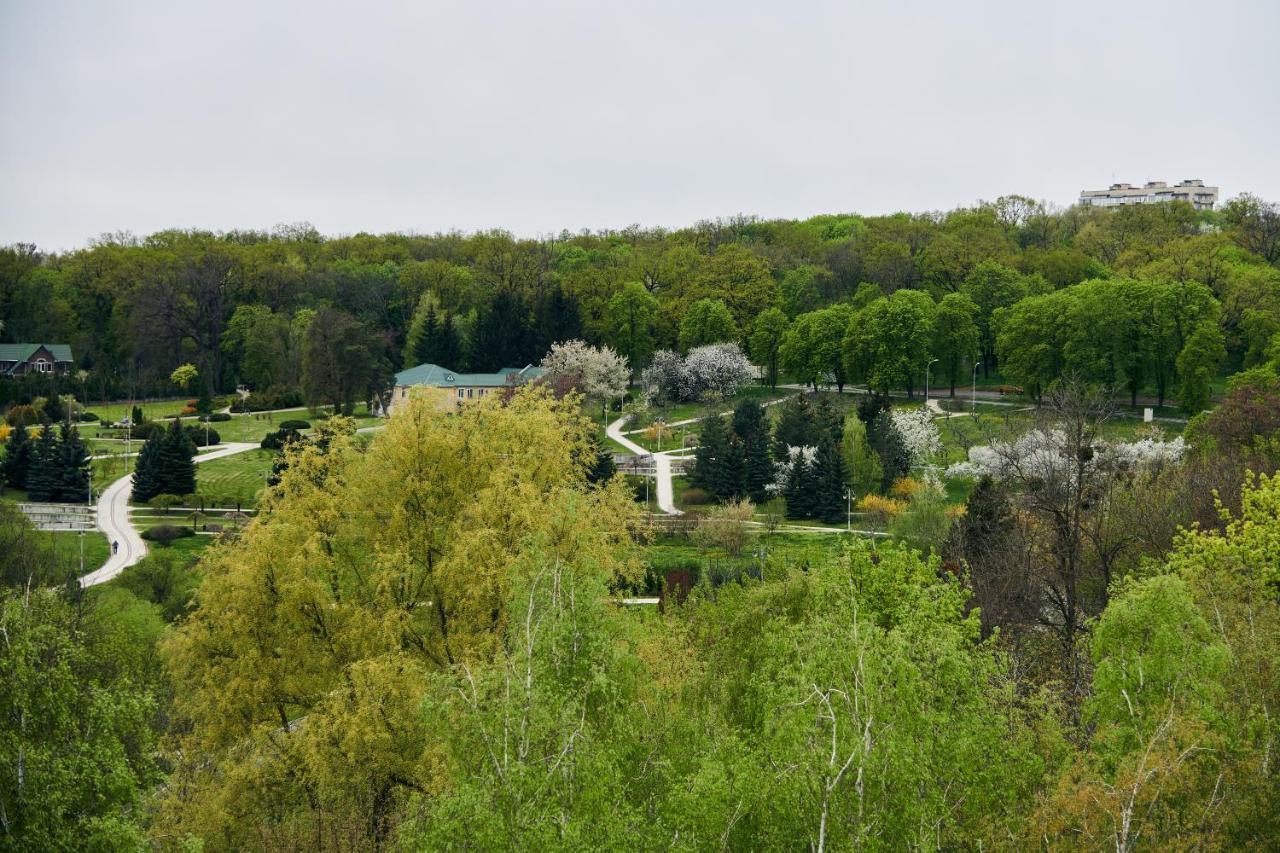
(926, 381)
(974, 405)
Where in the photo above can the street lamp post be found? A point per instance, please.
(848, 513)
(974, 404)
(926, 382)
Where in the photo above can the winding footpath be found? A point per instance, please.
(661, 465)
(113, 519)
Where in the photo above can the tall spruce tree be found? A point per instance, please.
(799, 489)
(73, 466)
(178, 471)
(44, 478)
(17, 458)
(795, 426)
(752, 430)
(829, 476)
(448, 350)
(426, 347)
(148, 479)
(713, 444)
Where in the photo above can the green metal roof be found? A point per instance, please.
(442, 377)
(21, 352)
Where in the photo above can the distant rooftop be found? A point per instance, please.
(442, 377)
(1191, 190)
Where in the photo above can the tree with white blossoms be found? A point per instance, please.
(714, 370)
(1042, 452)
(664, 378)
(919, 433)
(596, 371)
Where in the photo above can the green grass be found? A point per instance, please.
(642, 416)
(234, 479)
(66, 544)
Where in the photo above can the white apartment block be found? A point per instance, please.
(1194, 192)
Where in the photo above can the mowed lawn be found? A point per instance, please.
(234, 479)
(66, 544)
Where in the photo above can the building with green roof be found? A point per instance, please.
(460, 387)
(21, 359)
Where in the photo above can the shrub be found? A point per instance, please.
(88, 416)
(279, 438)
(197, 433)
(186, 411)
(164, 534)
(693, 496)
(261, 401)
(905, 488)
(144, 431)
(219, 417)
(728, 526)
(23, 415)
(881, 507)
(295, 424)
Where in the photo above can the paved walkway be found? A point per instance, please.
(113, 520)
(661, 464)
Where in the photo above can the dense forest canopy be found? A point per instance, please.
(242, 306)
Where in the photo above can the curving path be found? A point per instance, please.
(661, 463)
(113, 519)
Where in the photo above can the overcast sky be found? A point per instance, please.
(535, 117)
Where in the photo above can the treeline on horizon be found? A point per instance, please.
(243, 305)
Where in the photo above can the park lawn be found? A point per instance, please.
(234, 479)
(66, 544)
(642, 416)
(151, 410)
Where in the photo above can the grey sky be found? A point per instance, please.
(425, 116)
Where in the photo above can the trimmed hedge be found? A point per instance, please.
(297, 424)
(219, 417)
(163, 534)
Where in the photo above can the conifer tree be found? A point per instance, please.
(829, 476)
(795, 426)
(178, 471)
(727, 471)
(73, 466)
(17, 458)
(425, 348)
(751, 429)
(449, 345)
(827, 421)
(43, 477)
(713, 442)
(148, 480)
(799, 488)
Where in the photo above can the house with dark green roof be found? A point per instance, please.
(459, 387)
(21, 359)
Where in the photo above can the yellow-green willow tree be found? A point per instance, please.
(300, 674)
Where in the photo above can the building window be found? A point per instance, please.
(469, 393)
(459, 393)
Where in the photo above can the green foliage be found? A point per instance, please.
(708, 321)
(16, 462)
(78, 750)
(813, 347)
(887, 344)
(164, 465)
(861, 461)
(767, 337)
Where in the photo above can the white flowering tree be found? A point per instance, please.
(1046, 454)
(598, 372)
(714, 370)
(919, 433)
(664, 379)
(783, 467)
